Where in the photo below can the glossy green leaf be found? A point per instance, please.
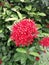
(21, 50)
(10, 19)
(28, 7)
(41, 14)
(34, 53)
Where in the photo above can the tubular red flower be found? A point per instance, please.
(44, 41)
(0, 61)
(47, 25)
(37, 58)
(39, 53)
(24, 32)
(44, 51)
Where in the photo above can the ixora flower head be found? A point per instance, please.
(44, 41)
(24, 32)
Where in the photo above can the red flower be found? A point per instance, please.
(39, 53)
(45, 42)
(1, 4)
(37, 58)
(47, 25)
(0, 61)
(44, 51)
(24, 32)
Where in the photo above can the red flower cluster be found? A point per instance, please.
(24, 32)
(45, 42)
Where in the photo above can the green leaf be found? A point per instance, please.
(9, 27)
(4, 57)
(17, 56)
(23, 59)
(41, 14)
(10, 19)
(42, 48)
(8, 42)
(31, 58)
(32, 13)
(32, 49)
(44, 58)
(39, 26)
(7, 5)
(16, 8)
(43, 34)
(10, 63)
(0, 31)
(22, 0)
(3, 48)
(1, 35)
(34, 54)
(28, 7)
(21, 50)
(45, 2)
(46, 30)
(47, 7)
(19, 14)
(20, 57)
(3, 63)
(33, 9)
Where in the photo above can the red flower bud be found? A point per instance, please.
(1, 4)
(0, 61)
(44, 51)
(47, 25)
(38, 52)
(37, 58)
